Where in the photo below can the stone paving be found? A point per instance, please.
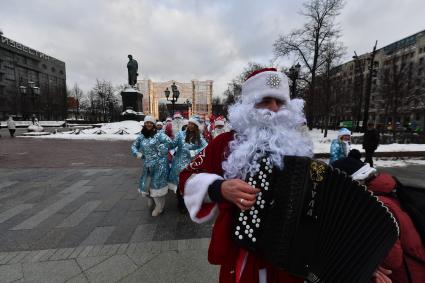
(91, 225)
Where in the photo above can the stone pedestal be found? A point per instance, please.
(132, 104)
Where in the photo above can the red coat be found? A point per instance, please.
(222, 250)
(409, 246)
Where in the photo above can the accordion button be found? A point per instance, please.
(250, 235)
(240, 237)
(252, 208)
(254, 182)
(244, 222)
(257, 225)
(249, 183)
(251, 212)
(267, 167)
(256, 211)
(250, 178)
(262, 185)
(258, 220)
(264, 160)
(260, 194)
(267, 183)
(253, 221)
(238, 227)
(263, 201)
(254, 216)
(240, 218)
(270, 171)
(254, 239)
(245, 217)
(247, 226)
(251, 231)
(241, 214)
(262, 206)
(236, 233)
(258, 202)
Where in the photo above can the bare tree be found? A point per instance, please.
(78, 94)
(333, 52)
(105, 98)
(394, 88)
(308, 43)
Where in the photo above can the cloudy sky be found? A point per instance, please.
(186, 39)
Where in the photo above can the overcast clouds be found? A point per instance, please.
(186, 39)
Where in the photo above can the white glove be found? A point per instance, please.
(139, 155)
(192, 153)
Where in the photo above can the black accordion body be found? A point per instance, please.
(315, 222)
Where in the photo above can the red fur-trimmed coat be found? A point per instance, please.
(408, 251)
(193, 183)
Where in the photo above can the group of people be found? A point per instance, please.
(341, 146)
(266, 122)
(166, 150)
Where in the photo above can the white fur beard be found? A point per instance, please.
(177, 126)
(260, 132)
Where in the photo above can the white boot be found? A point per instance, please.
(150, 202)
(159, 205)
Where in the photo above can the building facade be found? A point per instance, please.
(195, 97)
(31, 83)
(397, 90)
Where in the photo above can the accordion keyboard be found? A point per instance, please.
(248, 226)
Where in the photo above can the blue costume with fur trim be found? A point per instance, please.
(153, 181)
(185, 153)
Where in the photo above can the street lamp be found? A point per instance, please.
(175, 95)
(30, 89)
(294, 73)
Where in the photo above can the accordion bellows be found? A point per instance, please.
(315, 222)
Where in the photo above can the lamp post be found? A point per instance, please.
(189, 105)
(175, 95)
(358, 88)
(294, 73)
(30, 89)
(369, 87)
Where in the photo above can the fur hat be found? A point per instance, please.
(265, 83)
(195, 120)
(177, 115)
(219, 121)
(169, 119)
(344, 132)
(149, 119)
(354, 167)
(159, 123)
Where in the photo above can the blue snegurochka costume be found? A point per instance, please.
(185, 152)
(155, 163)
(339, 148)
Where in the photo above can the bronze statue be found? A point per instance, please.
(132, 67)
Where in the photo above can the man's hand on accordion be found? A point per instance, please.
(239, 193)
(380, 275)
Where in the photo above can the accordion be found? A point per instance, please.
(315, 222)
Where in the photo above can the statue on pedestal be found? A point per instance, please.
(132, 67)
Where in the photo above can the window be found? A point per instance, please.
(53, 70)
(61, 72)
(44, 66)
(421, 60)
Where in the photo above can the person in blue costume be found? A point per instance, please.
(187, 144)
(341, 146)
(150, 147)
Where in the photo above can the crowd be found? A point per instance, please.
(207, 165)
(166, 149)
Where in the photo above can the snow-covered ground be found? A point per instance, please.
(130, 129)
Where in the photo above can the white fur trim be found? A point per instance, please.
(363, 172)
(195, 121)
(159, 192)
(195, 191)
(261, 85)
(344, 132)
(172, 187)
(149, 119)
(219, 122)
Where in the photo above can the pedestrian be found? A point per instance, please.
(187, 145)
(219, 127)
(159, 126)
(264, 120)
(11, 125)
(406, 259)
(370, 142)
(149, 147)
(340, 147)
